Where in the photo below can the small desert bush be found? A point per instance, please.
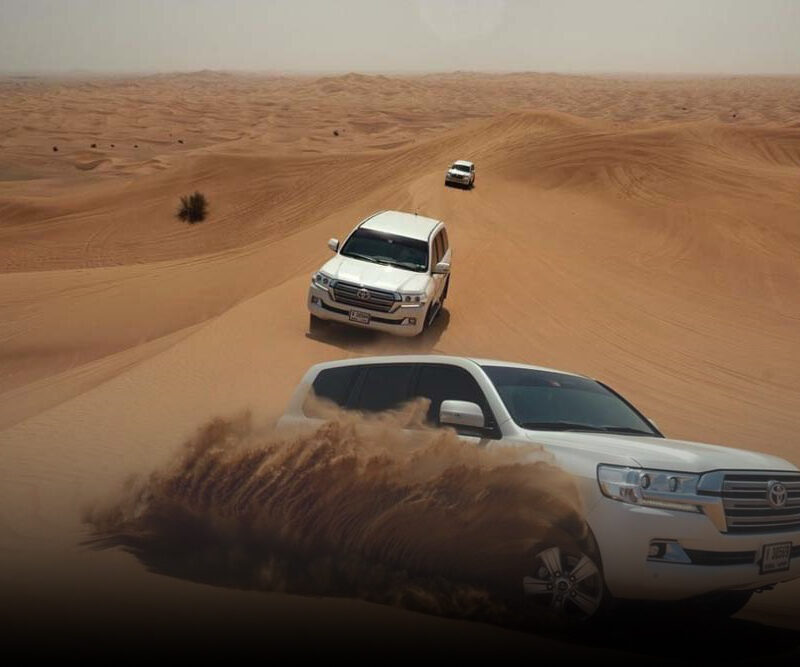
(193, 207)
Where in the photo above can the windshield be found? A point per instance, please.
(380, 248)
(549, 401)
(460, 167)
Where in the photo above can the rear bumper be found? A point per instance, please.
(718, 561)
(405, 321)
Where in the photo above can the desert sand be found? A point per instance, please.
(642, 231)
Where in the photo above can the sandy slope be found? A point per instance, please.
(644, 232)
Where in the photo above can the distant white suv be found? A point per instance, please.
(461, 172)
(668, 519)
(392, 273)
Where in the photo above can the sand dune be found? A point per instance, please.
(635, 230)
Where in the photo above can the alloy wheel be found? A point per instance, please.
(568, 584)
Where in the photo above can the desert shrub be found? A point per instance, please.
(193, 207)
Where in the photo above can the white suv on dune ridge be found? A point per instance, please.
(668, 519)
(461, 172)
(392, 274)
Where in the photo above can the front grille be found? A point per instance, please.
(748, 509)
(379, 300)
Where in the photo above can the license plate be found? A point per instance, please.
(358, 316)
(775, 557)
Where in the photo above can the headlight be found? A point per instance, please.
(413, 298)
(650, 488)
(321, 280)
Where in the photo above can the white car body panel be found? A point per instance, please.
(379, 276)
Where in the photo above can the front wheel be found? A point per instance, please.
(430, 315)
(565, 584)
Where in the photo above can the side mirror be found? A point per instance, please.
(461, 413)
(333, 244)
(442, 267)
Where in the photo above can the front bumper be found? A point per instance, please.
(406, 320)
(456, 180)
(719, 561)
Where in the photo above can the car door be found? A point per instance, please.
(442, 382)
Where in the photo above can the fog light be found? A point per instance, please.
(316, 301)
(412, 321)
(667, 551)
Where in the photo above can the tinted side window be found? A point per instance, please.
(439, 382)
(333, 384)
(384, 387)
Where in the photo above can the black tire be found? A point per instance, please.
(446, 288)
(430, 315)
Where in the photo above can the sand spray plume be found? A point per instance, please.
(356, 507)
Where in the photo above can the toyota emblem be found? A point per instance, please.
(363, 294)
(776, 494)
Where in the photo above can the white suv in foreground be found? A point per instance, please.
(392, 273)
(668, 519)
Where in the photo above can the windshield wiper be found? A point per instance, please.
(358, 255)
(561, 426)
(575, 426)
(626, 429)
(411, 265)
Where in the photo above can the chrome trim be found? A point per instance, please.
(378, 300)
(743, 505)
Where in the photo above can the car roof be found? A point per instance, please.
(465, 163)
(434, 359)
(410, 225)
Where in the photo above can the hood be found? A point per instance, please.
(379, 276)
(660, 453)
(457, 172)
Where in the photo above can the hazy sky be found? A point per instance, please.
(737, 36)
